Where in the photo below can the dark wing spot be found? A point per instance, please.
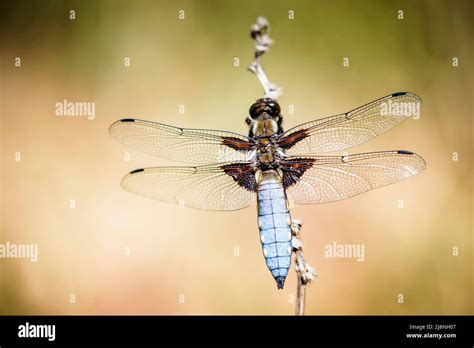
(127, 120)
(404, 152)
(243, 174)
(237, 144)
(292, 139)
(137, 171)
(398, 94)
(294, 169)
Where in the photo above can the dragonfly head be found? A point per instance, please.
(264, 110)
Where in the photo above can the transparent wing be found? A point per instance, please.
(227, 186)
(324, 179)
(355, 127)
(194, 146)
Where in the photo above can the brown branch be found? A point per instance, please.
(260, 34)
(304, 272)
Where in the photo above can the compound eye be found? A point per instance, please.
(254, 110)
(274, 109)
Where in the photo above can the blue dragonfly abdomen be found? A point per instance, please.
(274, 223)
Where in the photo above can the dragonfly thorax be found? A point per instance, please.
(268, 153)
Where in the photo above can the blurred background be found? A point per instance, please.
(117, 253)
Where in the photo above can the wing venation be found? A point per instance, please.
(340, 132)
(223, 186)
(186, 145)
(324, 179)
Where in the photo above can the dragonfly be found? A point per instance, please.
(228, 171)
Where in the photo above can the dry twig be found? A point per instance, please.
(304, 272)
(260, 33)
